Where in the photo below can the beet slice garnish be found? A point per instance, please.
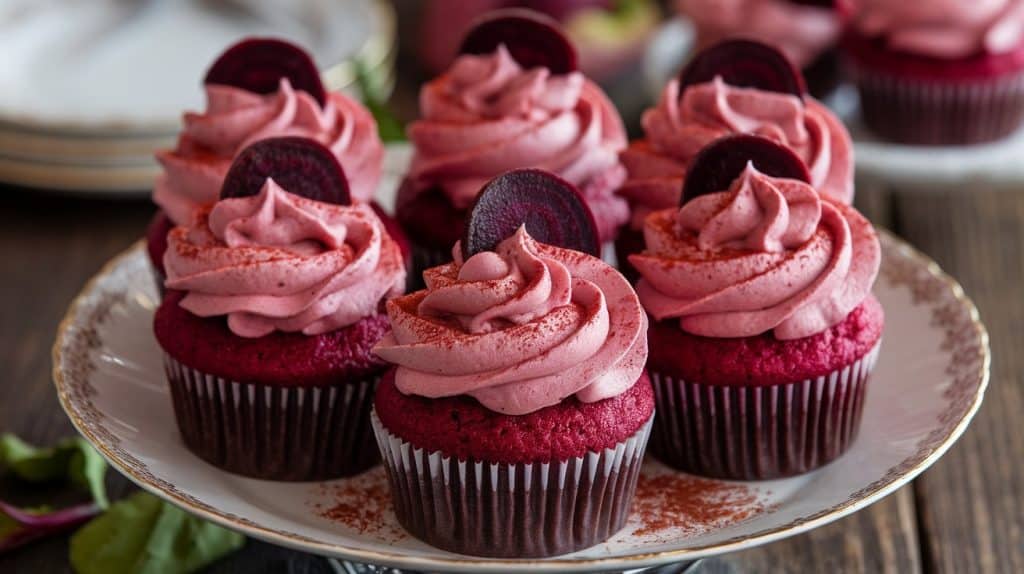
(722, 161)
(552, 209)
(744, 64)
(532, 39)
(258, 64)
(300, 166)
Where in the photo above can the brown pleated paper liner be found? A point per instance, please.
(271, 432)
(915, 111)
(755, 433)
(512, 510)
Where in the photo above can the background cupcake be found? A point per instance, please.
(716, 95)
(515, 421)
(274, 303)
(513, 99)
(259, 88)
(765, 330)
(938, 72)
(807, 31)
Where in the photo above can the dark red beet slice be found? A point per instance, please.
(552, 209)
(745, 64)
(299, 165)
(722, 161)
(533, 39)
(258, 64)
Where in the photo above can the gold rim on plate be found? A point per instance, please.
(965, 338)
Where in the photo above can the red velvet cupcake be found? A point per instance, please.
(938, 73)
(764, 329)
(718, 94)
(807, 31)
(290, 100)
(515, 421)
(274, 304)
(513, 99)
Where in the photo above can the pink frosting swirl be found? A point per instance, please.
(277, 261)
(235, 118)
(949, 29)
(519, 329)
(487, 116)
(676, 130)
(769, 253)
(802, 32)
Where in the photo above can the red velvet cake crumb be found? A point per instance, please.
(156, 239)
(394, 230)
(463, 428)
(871, 52)
(763, 360)
(278, 359)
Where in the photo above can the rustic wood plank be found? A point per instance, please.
(970, 503)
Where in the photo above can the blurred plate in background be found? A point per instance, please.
(89, 90)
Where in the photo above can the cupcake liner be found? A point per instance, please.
(934, 112)
(755, 433)
(276, 433)
(512, 510)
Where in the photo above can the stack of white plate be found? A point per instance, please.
(89, 90)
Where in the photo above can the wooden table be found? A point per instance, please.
(966, 514)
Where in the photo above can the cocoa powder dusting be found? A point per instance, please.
(670, 503)
(362, 504)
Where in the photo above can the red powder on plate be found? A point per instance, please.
(362, 504)
(672, 502)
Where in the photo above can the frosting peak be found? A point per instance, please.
(683, 124)
(487, 115)
(759, 214)
(949, 29)
(519, 329)
(235, 118)
(767, 254)
(277, 261)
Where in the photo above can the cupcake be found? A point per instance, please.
(259, 88)
(274, 302)
(807, 31)
(938, 72)
(764, 331)
(512, 99)
(733, 87)
(515, 420)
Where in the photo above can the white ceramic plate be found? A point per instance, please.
(928, 384)
(88, 91)
(918, 168)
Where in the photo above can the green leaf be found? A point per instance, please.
(144, 535)
(71, 458)
(371, 92)
(89, 471)
(35, 464)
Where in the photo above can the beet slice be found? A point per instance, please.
(552, 209)
(722, 161)
(533, 39)
(299, 165)
(258, 64)
(744, 64)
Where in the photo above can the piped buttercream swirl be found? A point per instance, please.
(280, 262)
(519, 328)
(769, 254)
(487, 115)
(679, 127)
(234, 118)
